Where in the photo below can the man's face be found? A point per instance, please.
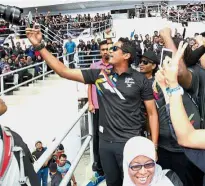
(156, 33)
(147, 37)
(117, 56)
(146, 65)
(62, 161)
(69, 39)
(192, 42)
(136, 37)
(104, 52)
(39, 146)
(156, 39)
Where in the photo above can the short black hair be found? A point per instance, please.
(129, 47)
(62, 156)
(53, 167)
(104, 42)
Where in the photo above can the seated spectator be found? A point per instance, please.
(56, 176)
(140, 167)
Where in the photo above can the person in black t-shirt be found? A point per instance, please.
(148, 65)
(171, 154)
(147, 44)
(56, 176)
(120, 94)
(43, 172)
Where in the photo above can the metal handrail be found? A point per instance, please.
(52, 147)
(52, 32)
(20, 69)
(24, 68)
(30, 80)
(69, 174)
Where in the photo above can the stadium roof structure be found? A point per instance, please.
(77, 5)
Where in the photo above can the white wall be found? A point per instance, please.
(124, 27)
(47, 115)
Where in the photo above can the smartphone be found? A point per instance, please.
(28, 25)
(165, 52)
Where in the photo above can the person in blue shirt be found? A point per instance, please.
(63, 166)
(70, 48)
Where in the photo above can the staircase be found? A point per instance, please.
(42, 111)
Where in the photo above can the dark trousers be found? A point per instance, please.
(189, 174)
(111, 155)
(71, 60)
(43, 175)
(96, 140)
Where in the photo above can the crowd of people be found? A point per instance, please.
(148, 121)
(61, 26)
(20, 55)
(190, 12)
(57, 166)
(150, 103)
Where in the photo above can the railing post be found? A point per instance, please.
(90, 129)
(44, 71)
(2, 85)
(178, 16)
(197, 16)
(67, 29)
(67, 56)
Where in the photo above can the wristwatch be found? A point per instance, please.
(39, 47)
(176, 90)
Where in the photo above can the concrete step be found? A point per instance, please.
(14, 99)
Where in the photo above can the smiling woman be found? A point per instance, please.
(140, 168)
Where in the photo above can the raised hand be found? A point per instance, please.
(165, 32)
(171, 65)
(160, 78)
(34, 36)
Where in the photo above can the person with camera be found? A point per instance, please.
(121, 92)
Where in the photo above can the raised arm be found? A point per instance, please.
(187, 136)
(184, 75)
(35, 37)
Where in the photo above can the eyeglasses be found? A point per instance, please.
(103, 49)
(145, 62)
(138, 167)
(115, 48)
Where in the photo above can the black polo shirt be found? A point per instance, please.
(120, 101)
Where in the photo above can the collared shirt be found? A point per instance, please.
(97, 65)
(120, 99)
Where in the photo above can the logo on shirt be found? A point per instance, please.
(129, 81)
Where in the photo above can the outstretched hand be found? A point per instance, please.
(34, 36)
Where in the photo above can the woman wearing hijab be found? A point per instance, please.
(140, 168)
